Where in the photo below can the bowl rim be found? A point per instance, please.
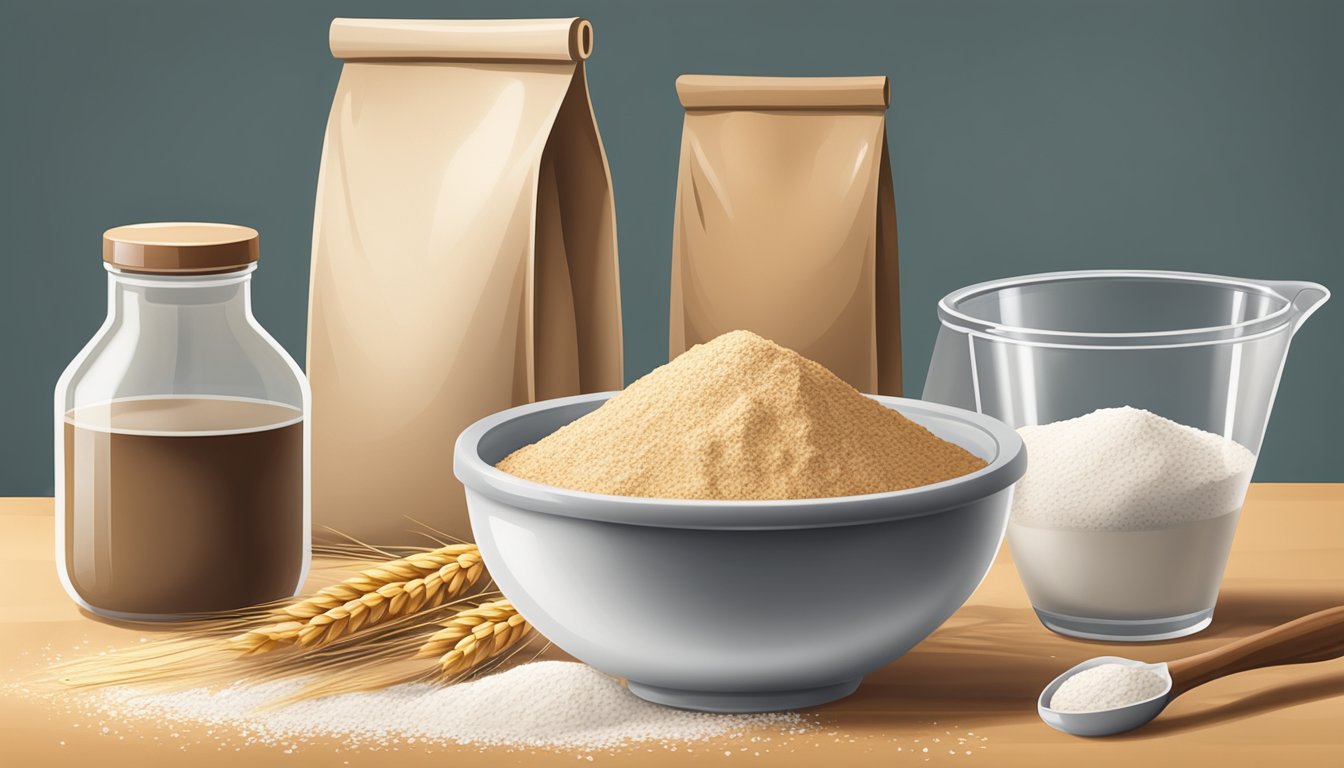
(1005, 468)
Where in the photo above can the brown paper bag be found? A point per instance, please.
(785, 224)
(464, 257)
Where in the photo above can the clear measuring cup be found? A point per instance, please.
(1201, 350)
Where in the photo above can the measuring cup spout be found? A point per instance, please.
(1306, 297)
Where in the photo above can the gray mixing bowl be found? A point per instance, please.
(737, 606)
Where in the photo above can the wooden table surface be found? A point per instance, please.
(970, 687)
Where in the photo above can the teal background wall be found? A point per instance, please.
(1026, 136)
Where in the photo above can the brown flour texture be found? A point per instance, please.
(739, 418)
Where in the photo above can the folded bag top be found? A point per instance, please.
(561, 40)
(783, 93)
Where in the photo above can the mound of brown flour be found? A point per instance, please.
(740, 418)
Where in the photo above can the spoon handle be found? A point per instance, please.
(1316, 637)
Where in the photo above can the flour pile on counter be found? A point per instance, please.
(553, 704)
(1125, 469)
(740, 418)
(1107, 686)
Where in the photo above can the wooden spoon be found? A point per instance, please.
(1318, 637)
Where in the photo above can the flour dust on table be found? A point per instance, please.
(541, 705)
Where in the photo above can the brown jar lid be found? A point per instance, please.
(180, 247)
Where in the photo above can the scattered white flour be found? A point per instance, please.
(1125, 469)
(1107, 686)
(555, 704)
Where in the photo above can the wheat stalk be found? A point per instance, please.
(418, 565)
(265, 639)
(474, 636)
(389, 601)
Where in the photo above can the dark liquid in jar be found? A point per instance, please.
(162, 523)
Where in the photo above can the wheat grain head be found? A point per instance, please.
(418, 565)
(475, 635)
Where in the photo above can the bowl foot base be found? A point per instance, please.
(738, 702)
(1126, 631)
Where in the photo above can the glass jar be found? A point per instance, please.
(181, 436)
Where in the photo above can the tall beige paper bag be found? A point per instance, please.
(464, 258)
(785, 223)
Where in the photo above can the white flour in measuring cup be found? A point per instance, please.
(1124, 514)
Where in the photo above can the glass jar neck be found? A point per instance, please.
(227, 293)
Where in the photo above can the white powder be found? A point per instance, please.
(1125, 469)
(553, 704)
(1107, 686)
